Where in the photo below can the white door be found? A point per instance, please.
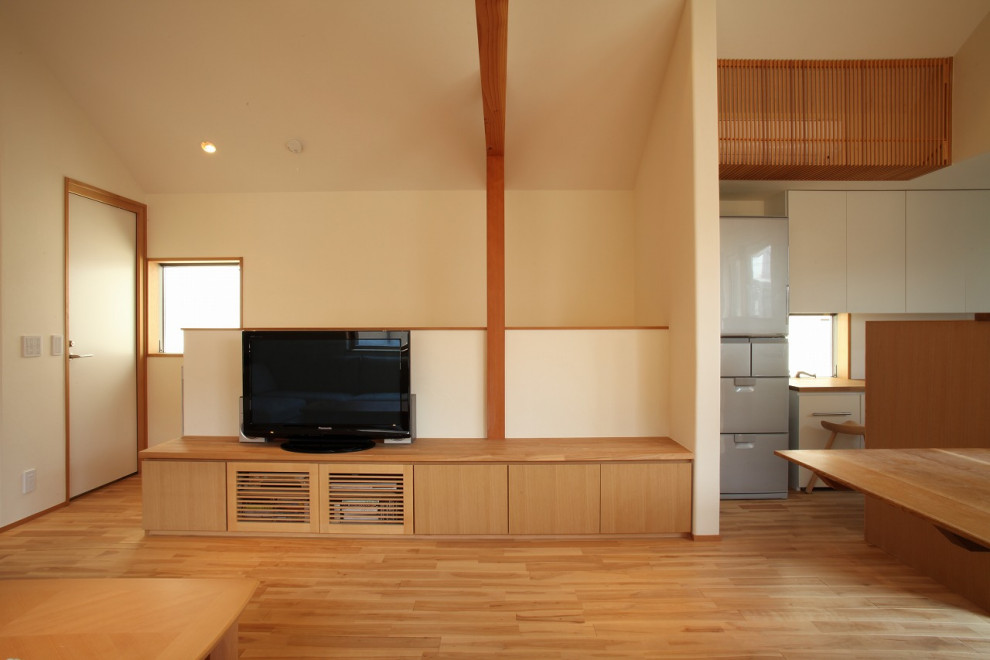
(101, 329)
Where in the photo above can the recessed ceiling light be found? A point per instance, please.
(295, 146)
(208, 147)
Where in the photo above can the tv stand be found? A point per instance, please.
(316, 446)
(466, 487)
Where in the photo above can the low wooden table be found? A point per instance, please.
(948, 487)
(122, 617)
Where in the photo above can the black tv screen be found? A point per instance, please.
(326, 390)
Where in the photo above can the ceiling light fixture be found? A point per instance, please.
(208, 147)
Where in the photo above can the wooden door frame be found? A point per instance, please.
(140, 211)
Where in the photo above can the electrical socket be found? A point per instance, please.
(29, 479)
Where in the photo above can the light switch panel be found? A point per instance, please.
(57, 344)
(30, 346)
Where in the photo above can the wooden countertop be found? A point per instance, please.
(435, 450)
(122, 617)
(827, 385)
(948, 487)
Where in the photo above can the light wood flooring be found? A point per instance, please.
(789, 579)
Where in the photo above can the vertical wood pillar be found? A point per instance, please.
(495, 372)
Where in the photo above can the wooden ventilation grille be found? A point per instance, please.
(366, 499)
(272, 497)
(854, 120)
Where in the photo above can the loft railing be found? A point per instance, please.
(853, 120)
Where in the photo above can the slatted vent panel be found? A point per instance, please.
(365, 499)
(833, 119)
(272, 497)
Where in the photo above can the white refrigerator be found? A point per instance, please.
(754, 277)
(754, 388)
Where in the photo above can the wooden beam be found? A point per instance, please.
(492, 17)
(495, 345)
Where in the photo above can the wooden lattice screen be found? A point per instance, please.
(851, 120)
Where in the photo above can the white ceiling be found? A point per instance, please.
(385, 94)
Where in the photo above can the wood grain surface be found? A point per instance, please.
(789, 579)
(948, 487)
(430, 450)
(160, 618)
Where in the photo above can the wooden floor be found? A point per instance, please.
(789, 579)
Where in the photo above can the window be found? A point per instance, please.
(191, 294)
(810, 340)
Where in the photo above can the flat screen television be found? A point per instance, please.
(326, 391)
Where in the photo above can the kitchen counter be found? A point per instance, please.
(826, 385)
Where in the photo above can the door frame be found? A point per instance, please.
(140, 211)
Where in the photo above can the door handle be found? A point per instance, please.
(76, 356)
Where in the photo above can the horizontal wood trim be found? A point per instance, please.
(589, 327)
(350, 328)
(436, 450)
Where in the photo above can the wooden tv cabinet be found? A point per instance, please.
(470, 486)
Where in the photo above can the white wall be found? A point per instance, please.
(44, 137)
(677, 211)
(448, 369)
(569, 258)
(586, 383)
(559, 383)
(971, 95)
(338, 259)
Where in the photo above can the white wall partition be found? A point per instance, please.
(586, 383)
(448, 369)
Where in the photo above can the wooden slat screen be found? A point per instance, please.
(853, 120)
(366, 498)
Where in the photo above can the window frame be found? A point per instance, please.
(154, 299)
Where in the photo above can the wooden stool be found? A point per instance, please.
(847, 428)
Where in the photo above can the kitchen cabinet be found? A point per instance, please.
(875, 252)
(936, 249)
(978, 254)
(807, 410)
(817, 251)
(875, 281)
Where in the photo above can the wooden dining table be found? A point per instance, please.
(950, 488)
(134, 618)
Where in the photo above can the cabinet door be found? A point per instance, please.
(646, 498)
(366, 499)
(184, 496)
(977, 249)
(812, 408)
(461, 499)
(272, 497)
(554, 499)
(817, 251)
(875, 252)
(936, 251)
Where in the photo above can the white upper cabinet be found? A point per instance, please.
(875, 252)
(978, 252)
(889, 252)
(817, 225)
(937, 222)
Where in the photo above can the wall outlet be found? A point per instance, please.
(31, 346)
(29, 479)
